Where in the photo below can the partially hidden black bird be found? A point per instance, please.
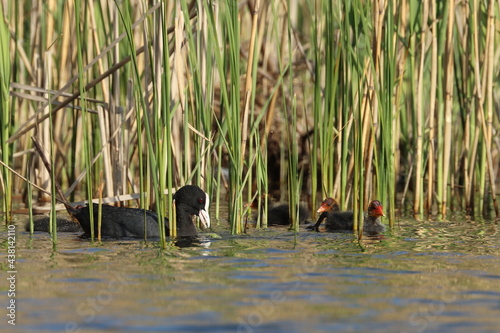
(279, 214)
(336, 220)
(118, 222)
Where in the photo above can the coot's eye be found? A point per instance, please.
(201, 200)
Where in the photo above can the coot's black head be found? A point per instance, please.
(193, 201)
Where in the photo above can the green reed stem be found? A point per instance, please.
(230, 125)
(387, 113)
(316, 103)
(166, 162)
(53, 192)
(448, 80)
(5, 117)
(291, 138)
(347, 95)
(261, 155)
(261, 179)
(417, 90)
(203, 99)
(151, 146)
(432, 111)
(220, 180)
(85, 117)
(29, 191)
(293, 173)
(328, 122)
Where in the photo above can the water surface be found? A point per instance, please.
(419, 277)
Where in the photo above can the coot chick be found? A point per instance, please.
(327, 207)
(63, 225)
(118, 222)
(336, 220)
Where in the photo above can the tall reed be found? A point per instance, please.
(164, 110)
(228, 67)
(316, 104)
(392, 99)
(328, 110)
(79, 27)
(5, 117)
(448, 105)
(385, 58)
(431, 105)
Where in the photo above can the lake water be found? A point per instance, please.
(419, 277)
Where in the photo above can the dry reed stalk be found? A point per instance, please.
(369, 116)
(28, 125)
(470, 144)
(181, 117)
(432, 107)
(486, 120)
(488, 131)
(400, 46)
(417, 206)
(22, 178)
(66, 40)
(448, 105)
(375, 79)
(106, 152)
(111, 93)
(249, 79)
(98, 154)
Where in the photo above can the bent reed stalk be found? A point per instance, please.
(361, 100)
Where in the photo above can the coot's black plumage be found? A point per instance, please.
(63, 225)
(118, 222)
(280, 215)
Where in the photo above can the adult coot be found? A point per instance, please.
(118, 222)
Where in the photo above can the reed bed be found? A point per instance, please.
(295, 100)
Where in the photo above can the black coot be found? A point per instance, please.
(118, 222)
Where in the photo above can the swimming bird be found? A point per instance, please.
(118, 222)
(336, 220)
